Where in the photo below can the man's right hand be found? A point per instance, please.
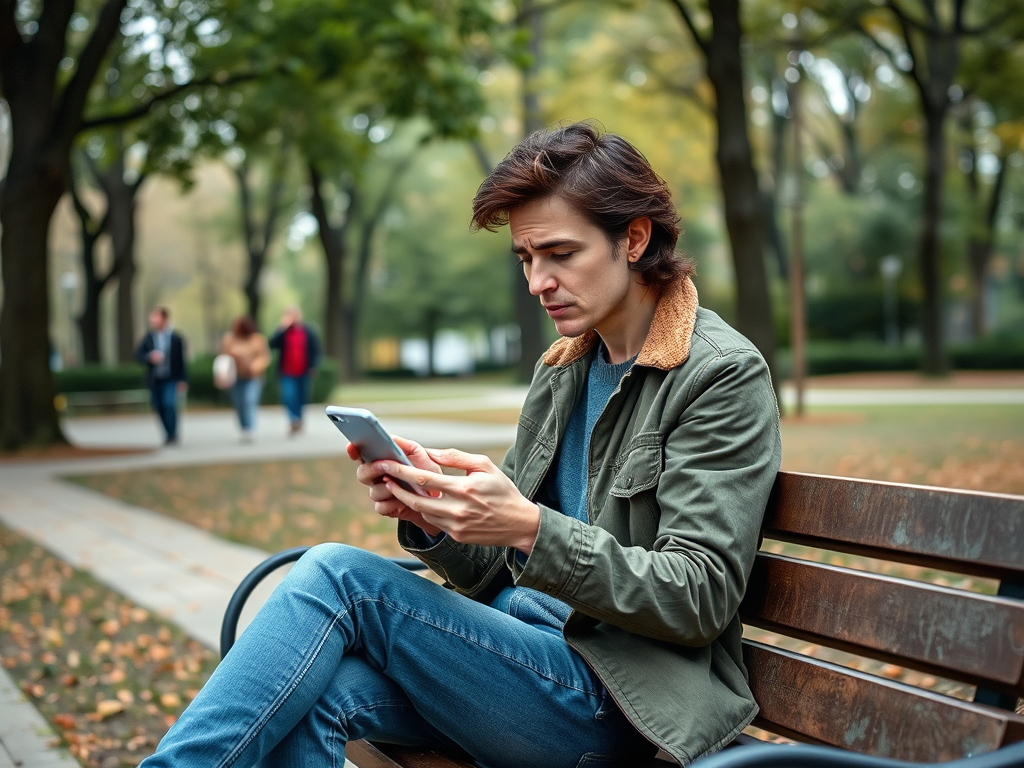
(156, 357)
(384, 502)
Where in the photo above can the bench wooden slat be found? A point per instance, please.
(367, 755)
(974, 638)
(968, 532)
(812, 700)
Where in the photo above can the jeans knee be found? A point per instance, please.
(343, 563)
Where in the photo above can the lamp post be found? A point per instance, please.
(69, 282)
(890, 266)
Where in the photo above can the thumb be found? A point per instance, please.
(450, 457)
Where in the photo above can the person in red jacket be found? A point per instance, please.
(296, 364)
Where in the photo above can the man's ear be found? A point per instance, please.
(638, 235)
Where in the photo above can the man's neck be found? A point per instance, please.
(626, 334)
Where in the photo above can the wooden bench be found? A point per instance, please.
(841, 634)
(107, 401)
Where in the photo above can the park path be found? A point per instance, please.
(188, 575)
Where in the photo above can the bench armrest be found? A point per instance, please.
(229, 627)
(806, 756)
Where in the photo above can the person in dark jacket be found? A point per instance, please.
(296, 364)
(162, 351)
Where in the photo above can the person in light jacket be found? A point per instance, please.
(592, 580)
(248, 347)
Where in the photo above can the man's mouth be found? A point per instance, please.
(554, 310)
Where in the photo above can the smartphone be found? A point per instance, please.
(363, 430)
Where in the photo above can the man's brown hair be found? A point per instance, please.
(602, 176)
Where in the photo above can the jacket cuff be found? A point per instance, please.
(460, 565)
(556, 565)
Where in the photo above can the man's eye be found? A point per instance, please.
(561, 256)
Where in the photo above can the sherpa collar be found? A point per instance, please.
(668, 342)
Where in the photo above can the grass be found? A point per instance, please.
(109, 676)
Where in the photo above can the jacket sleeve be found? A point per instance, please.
(182, 359)
(143, 349)
(313, 347)
(719, 463)
(469, 568)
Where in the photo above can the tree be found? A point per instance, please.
(48, 111)
(720, 43)
(924, 39)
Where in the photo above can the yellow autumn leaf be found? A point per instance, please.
(108, 708)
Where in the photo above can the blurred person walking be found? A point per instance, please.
(248, 347)
(296, 365)
(162, 351)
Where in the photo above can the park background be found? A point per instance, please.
(864, 160)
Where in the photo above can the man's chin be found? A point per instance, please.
(570, 329)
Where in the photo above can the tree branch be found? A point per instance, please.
(220, 79)
(72, 102)
(11, 44)
(688, 20)
(888, 53)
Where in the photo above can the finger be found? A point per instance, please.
(353, 452)
(369, 474)
(379, 492)
(422, 505)
(417, 453)
(470, 462)
(431, 482)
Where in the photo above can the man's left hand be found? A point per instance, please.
(484, 507)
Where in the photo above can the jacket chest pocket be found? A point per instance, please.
(640, 471)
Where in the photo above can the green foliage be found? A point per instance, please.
(831, 357)
(100, 378)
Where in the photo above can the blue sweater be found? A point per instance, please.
(568, 486)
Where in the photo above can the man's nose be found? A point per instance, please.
(541, 280)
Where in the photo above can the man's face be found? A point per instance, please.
(570, 266)
(157, 321)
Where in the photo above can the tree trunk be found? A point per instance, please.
(934, 360)
(979, 249)
(89, 319)
(333, 242)
(29, 197)
(122, 232)
(258, 238)
(740, 192)
(527, 307)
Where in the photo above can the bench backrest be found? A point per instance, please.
(889, 623)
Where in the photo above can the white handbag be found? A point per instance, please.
(224, 372)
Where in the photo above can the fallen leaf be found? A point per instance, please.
(108, 708)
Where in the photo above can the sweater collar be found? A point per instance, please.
(668, 342)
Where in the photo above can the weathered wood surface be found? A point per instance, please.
(976, 533)
(812, 700)
(978, 639)
(367, 755)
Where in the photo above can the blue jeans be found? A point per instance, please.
(294, 393)
(245, 395)
(164, 398)
(352, 646)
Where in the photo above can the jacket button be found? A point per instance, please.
(629, 482)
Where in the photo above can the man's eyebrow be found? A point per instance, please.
(547, 245)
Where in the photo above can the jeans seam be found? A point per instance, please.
(523, 663)
(261, 722)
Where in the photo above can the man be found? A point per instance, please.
(296, 365)
(596, 575)
(162, 351)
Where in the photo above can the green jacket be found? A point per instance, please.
(681, 464)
